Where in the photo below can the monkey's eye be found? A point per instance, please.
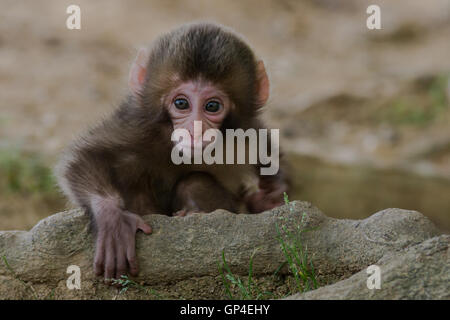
(212, 106)
(181, 104)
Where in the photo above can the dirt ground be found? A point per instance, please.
(339, 91)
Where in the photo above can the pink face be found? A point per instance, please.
(197, 100)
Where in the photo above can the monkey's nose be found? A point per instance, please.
(197, 140)
(196, 135)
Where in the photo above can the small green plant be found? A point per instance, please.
(421, 107)
(28, 286)
(286, 198)
(125, 282)
(297, 260)
(247, 291)
(295, 253)
(437, 92)
(404, 111)
(24, 173)
(51, 295)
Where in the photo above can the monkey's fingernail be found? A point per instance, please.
(145, 228)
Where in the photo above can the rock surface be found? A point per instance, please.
(181, 256)
(422, 272)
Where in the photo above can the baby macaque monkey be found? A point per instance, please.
(122, 168)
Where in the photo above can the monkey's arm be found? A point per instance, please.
(271, 190)
(86, 175)
(271, 186)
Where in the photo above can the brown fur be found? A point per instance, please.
(128, 154)
(122, 168)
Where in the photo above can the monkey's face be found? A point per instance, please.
(173, 75)
(197, 105)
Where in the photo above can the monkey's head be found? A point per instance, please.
(200, 72)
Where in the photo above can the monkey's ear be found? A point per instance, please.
(138, 71)
(263, 83)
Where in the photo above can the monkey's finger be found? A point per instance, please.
(180, 213)
(143, 226)
(110, 261)
(131, 258)
(274, 194)
(99, 259)
(121, 263)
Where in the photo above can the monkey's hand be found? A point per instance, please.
(269, 195)
(115, 245)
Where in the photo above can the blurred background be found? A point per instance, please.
(364, 114)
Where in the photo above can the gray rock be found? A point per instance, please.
(184, 252)
(421, 272)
